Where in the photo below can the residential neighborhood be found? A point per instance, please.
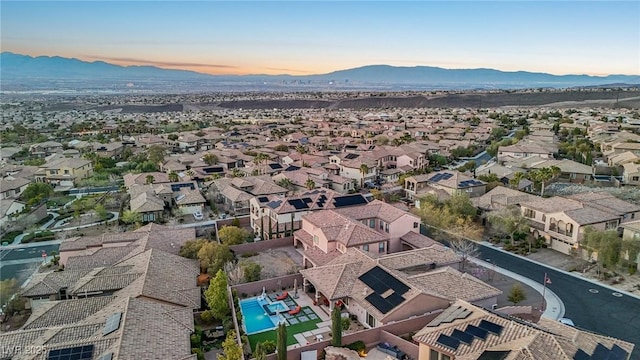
(366, 232)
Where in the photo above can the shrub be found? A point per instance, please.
(206, 316)
(346, 323)
(199, 353)
(269, 346)
(358, 346)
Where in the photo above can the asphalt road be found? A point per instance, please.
(591, 307)
(26, 253)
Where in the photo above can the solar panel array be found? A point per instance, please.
(321, 200)
(494, 355)
(380, 282)
(440, 176)
(351, 156)
(275, 166)
(298, 204)
(462, 336)
(491, 327)
(177, 187)
(348, 200)
(112, 324)
(476, 331)
(263, 199)
(450, 315)
(448, 341)
(470, 183)
(74, 353)
(602, 352)
(274, 204)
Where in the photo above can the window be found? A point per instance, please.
(415, 225)
(66, 172)
(611, 225)
(372, 223)
(529, 213)
(371, 321)
(544, 217)
(381, 225)
(635, 178)
(434, 355)
(315, 240)
(386, 227)
(381, 247)
(365, 247)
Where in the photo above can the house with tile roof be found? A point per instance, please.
(466, 331)
(234, 194)
(108, 312)
(524, 150)
(449, 181)
(387, 288)
(64, 172)
(561, 220)
(150, 236)
(274, 216)
(376, 227)
(11, 187)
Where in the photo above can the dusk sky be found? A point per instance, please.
(310, 37)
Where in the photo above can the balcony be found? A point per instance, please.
(536, 225)
(554, 229)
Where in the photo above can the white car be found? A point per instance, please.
(198, 215)
(567, 321)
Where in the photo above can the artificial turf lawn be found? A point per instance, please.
(291, 330)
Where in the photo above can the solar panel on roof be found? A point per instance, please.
(476, 331)
(395, 299)
(462, 336)
(274, 204)
(448, 341)
(581, 355)
(275, 166)
(601, 352)
(263, 199)
(436, 178)
(491, 327)
(494, 355)
(446, 176)
(372, 281)
(298, 204)
(351, 156)
(322, 197)
(77, 353)
(112, 324)
(307, 200)
(379, 303)
(618, 353)
(349, 200)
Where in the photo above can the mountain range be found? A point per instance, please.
(21, 72)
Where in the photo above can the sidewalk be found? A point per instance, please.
(554, 308)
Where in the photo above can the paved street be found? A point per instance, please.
(21, 262)
(591, 306)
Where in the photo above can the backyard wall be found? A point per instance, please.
(273, 284)
(388, 333)
(260, 246)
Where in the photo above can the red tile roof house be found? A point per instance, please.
(394, 287)
(377, 228)
(468, 332)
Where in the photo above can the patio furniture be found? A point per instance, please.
(282, 296)
(391, 350)
(296, 310)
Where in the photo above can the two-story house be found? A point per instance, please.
(234, 194)
(561, 221)
(65, 172)
(522, 151)
(449, 181)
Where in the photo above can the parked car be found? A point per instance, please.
(198, 215)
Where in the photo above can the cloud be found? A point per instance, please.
(161, 63)
(286, 70)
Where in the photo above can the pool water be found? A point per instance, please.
(278, 306)
(254, 317)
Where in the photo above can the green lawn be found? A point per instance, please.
(291, 330)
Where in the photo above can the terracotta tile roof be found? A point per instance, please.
(63, 312)
(467, 287)
(50, 283)
(146, 201)
(436, 253)
(417, 240)
(337, 227)
(99, 257)
(548, 340)
(500, 197)
(375, 209)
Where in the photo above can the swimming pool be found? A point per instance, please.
(254, 316)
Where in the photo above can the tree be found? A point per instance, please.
(191, 247)
(310, 184)
(156, 154)
(377, 194)
(8, 288)
(281, 342)
(281, 147)
(230, 348)
(232, 235)
(216, 296)
(510, 222)
(286, 183)
(261, 159)
(36, 192)
(260, 353)
(268, 346)
(606, 245)
(131, 217)
(210, 159)
(541, 176)
(516, 294)
(251, 271)
(336, 327)
(515, 180)
(364, 170)
(213, 256)
(235, 172)
(465, 248)
(452, 217)
(173, 176)
(149, 179)
(101, 212)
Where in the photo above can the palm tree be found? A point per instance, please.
(190, 173)
(310, 184)
(515, 180)
(261, 159)
(555, 171)
(364, 170)
(173, 176)
(235, 172)
(541, 176)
